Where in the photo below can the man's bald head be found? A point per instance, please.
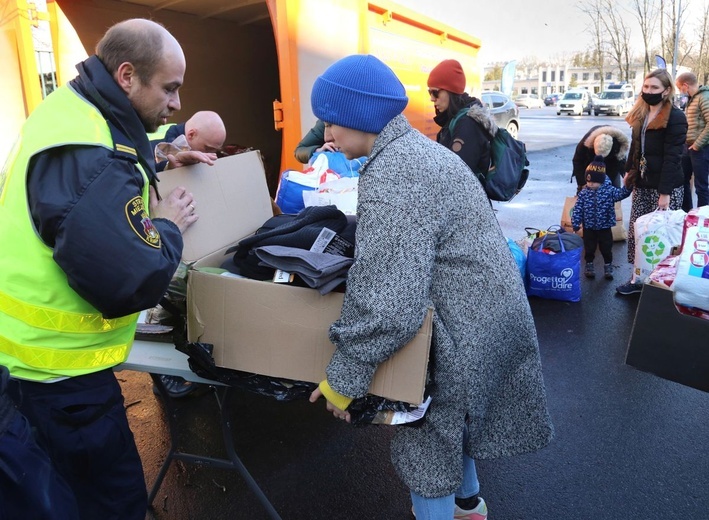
(205, 132)
(141, 42)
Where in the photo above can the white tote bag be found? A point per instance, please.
(655, 235)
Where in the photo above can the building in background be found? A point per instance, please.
(548, 79)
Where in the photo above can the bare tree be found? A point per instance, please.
(702, 62)
(646, 13)
(676, 21)
(618, 34)
(594, 11)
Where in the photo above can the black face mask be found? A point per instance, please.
(652, 99)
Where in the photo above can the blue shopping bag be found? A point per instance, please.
(554, 276)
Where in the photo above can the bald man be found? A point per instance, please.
(204, 134)
(93, 245)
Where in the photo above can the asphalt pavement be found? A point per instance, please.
(628, 445)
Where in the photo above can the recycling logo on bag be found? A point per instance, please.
(653, 249)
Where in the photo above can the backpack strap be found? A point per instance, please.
(454, 121)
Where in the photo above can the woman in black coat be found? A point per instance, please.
(659, 131)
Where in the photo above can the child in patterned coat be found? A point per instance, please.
(595, 211)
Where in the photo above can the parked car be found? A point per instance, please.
(552, 99)
(575, 102)
(616, 99)
(529, 101)
(505, 112)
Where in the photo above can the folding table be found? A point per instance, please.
(159, 358)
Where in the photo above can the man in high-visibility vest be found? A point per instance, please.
(203, 133)
(88, 244)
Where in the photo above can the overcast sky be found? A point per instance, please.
(513, 29)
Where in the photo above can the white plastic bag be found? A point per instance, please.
(691, 285)
(655, 235)
(340, 192)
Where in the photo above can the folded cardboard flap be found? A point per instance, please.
(261, 327)
(231, 198)
(666, 342)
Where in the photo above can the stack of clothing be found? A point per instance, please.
(317, 244)
(321, 271)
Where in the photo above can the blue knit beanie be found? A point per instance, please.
(358, 92)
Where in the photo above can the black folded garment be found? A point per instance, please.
(321, 271)
(300, 231)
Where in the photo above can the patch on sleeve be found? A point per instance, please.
(457, 144)
(140, 222)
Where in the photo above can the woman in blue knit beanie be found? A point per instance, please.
(427, 238)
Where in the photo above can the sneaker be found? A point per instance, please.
(176, 386)
(479, 513)
(590, 272)
(629, 288)
(608, 271)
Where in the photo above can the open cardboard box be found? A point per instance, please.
(263, 327)
(666, 342)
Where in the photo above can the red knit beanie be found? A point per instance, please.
(449, 76)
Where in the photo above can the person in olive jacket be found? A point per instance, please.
(314, 141)
(659, 131)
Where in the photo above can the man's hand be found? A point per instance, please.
(189, 157)
(693, 147)
(177, 207)
(340, 414)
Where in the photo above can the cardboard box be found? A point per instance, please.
(668, 343)
(261, 327)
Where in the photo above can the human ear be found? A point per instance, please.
(124, 76)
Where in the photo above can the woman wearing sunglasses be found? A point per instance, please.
(469, 137)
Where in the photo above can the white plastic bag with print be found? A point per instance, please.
(340, 192)
(655, 235)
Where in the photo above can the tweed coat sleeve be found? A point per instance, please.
(387, 291)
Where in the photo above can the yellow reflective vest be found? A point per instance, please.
(160, 132)
(47, 330)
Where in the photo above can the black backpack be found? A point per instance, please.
(508, 171)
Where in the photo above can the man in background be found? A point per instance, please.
(697, 112)
(204, 133)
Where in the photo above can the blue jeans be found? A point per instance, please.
(700, 165)
(442, 508)
(687, 169)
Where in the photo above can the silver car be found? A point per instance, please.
(505, 112)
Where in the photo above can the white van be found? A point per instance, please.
(616, 99)
(575, 102)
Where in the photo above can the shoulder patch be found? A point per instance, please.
(140, 222)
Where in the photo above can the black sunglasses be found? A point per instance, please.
(433, 92)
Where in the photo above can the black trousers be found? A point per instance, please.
(81, 423)
(601, 239)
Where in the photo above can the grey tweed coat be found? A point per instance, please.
(427, 237)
